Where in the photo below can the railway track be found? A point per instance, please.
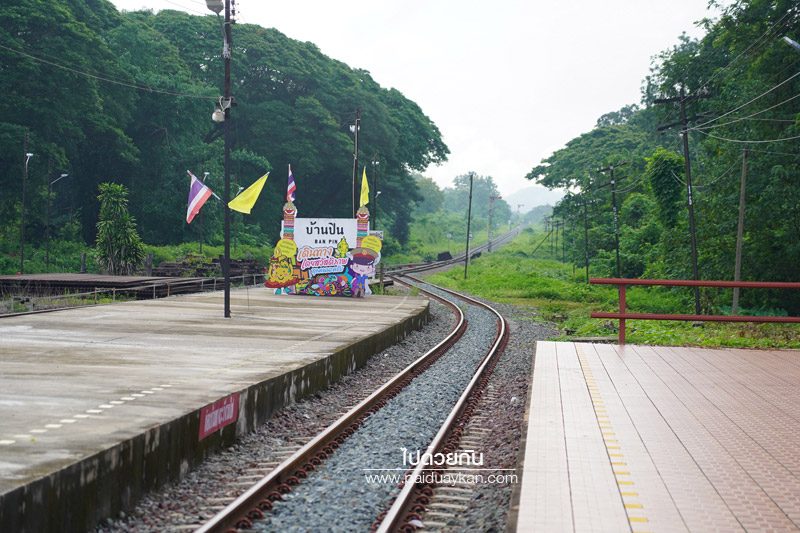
(430, 407)
(410, 268)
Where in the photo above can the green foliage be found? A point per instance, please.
(555, 294)
(663, 172)
(748, 94)
(118, 248)
(293, 105)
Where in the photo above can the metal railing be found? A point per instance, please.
(622, 315)
(9, 304)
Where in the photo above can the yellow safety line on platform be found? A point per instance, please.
(615, 455)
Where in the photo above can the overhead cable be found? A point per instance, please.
(749, 101)
(104, 78)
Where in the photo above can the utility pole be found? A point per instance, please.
(682, 99)
(737, 268)
(225, 104)
(354, 128)
(492, 198)
(47, 218)
(27, 156)
(586, 238)
(226, 54)
(375, 166)
(469, 220)
(556, 225)
(610, 170)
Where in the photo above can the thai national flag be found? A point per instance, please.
(198, 194)
(291, 187)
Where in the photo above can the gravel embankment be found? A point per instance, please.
(488, 510)
(187, 502)
(345, 483)
(339, 495)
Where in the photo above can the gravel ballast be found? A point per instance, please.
(339, 495)
(223, 476)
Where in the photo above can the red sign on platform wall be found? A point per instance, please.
(218, 415)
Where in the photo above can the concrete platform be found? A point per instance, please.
(100, 404)
(641, 438)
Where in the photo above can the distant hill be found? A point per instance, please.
(532, 196)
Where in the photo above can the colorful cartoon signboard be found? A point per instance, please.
(316, 256)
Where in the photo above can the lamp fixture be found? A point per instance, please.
(215, 5)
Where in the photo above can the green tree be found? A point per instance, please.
(118, 248)
(664, 172)
(432, 197)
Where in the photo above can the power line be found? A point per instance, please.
(745, 141)
(749, 101)
(631, 186)
(746, 50)
(186, 8)
(698, 128)
(105, 79)
(773, 153)
(722, 175)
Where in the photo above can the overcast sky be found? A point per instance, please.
(507, 82)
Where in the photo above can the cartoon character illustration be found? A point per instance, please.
(362, 264)
(330, 285)
(342, 248)
(282, 272)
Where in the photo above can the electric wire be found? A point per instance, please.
(677, 179)
(186, 8)
(790, 78)
(631, 186)
(699, 128)
(104, 78)
(722, 175)
(773, 152)
(761, 39)
(747, 141)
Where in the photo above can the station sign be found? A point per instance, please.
(324, 256)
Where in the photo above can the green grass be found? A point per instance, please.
(65, 256)
(559, 295)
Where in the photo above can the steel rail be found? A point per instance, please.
(421, 267)
(410, 500)
(250, 505)
(240, 513)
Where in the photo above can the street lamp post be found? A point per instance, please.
(217, 7)
(47, 220)
(375, 166)
(354, 129)
(28, 156)
(376, 208)
(794, 44)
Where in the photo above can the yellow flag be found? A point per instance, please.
(364, 189)
(246, 200)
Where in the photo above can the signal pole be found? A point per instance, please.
(684, 123)
(610, 170)
(469, 220)
(27, 156)
(492, 198)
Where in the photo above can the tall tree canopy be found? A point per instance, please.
(745, 78)
(127, 97)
